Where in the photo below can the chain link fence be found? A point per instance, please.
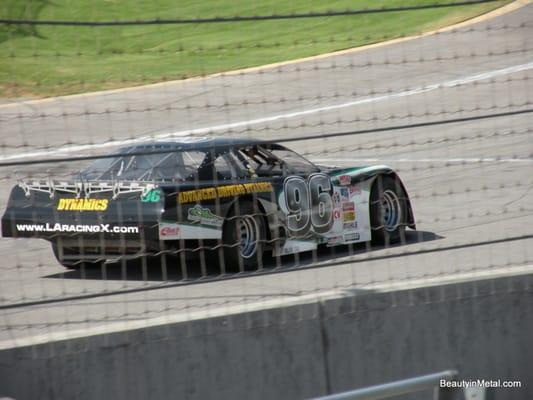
(399, 165)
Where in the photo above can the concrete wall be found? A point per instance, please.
(484, 329)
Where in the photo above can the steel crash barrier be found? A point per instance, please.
(405, 386)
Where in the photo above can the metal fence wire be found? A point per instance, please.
(192, 194)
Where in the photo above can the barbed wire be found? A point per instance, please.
(260, 271)
(231, 323)
(279, 239)
(15, 87)
(468, 183)
(430, 165)
(359, 147)
(286, 318)
(279, 140)
(430, 141)
(35, 114)
(241, 18)
(266, 45)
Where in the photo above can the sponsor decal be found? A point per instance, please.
(336, 198)
(153, 196)
(57, 227)
(336, 213)
(349, 226)
(345, 180)
(192, 196)
(348, 211)
(354, 190)
(296, 246)
(82, 204)
(350, 237)
(344, 195)
(332, 241)
(204, 216)
(174, 231)
(169, 231)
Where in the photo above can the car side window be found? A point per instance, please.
(223, 168)
(260, 162)
(293, 162)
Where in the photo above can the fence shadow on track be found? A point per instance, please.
(153, 269)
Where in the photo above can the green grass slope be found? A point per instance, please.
(41, 61)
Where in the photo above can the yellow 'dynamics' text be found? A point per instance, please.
(211, 193)
(82, 204)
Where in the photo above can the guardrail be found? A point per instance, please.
(405, 386)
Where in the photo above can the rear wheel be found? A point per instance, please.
(388, 210)
(244, 235)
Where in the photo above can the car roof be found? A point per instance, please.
(191, 142)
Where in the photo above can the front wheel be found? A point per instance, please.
(388, 210)
(244, 235)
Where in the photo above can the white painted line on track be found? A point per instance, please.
(224, 127)
(426, 160)
(266, 304)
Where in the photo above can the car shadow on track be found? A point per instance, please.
(196, 270)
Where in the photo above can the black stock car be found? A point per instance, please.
(248, 196)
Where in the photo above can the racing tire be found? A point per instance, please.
(388, 210)
(243, 237)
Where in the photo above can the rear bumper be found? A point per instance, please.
(41, 216)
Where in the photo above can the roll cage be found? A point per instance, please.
(180, 165)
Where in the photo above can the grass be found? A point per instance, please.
(46, 61)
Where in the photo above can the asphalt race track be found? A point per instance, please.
(471, 182)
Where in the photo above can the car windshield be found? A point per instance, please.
(175, 166)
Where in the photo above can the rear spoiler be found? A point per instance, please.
(84, 188)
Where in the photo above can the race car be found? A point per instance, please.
(243, 199)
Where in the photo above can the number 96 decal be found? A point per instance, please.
(309, 204)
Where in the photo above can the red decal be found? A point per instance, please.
(345, 180)
(169, 231)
